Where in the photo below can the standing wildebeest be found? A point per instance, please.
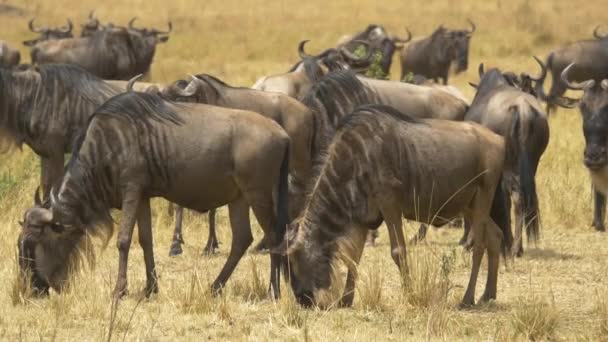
(92, 25)
(591, 62)
(9, 57)
(49, 33)
(138, 146)
(113, 53)
(593, 106)
(378, 169)
(44, 107)
(494, 105)
(295, 118)
(300, 78)
(433, 56)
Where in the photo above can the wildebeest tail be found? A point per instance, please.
(501, 216)
(518, 156)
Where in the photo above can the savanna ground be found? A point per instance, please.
(556, 291)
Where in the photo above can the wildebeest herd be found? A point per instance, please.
(321, 154)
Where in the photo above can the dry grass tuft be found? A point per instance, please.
(369, 291)
(198, 298)
(289, 311)
(20, 294)
(254, 287)
(601, 312)
(426, 282)
(534, 318)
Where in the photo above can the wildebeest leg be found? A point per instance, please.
(178, 237)
(51, 170)
(445, 80)
(130, 206)
(144, 226)
(238, 211)
(421, 234)
(263, 210)
(493, 242)
(599, 210)
(358, 241)
(389, 208)
(212, 240)
(466, 240)
(518, 248)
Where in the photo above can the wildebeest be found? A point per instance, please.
(310, 69)
(138, 146)
(92, 25)
(47, 33)
(433, 56)
(295, 118)
(377, 168)
(379, 41)
(9, 57)
(494, 105)
(44, 107)
(113, 53)
(591, 62)
(593, 106)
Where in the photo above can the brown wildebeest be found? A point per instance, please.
(115, 53)
(309, 70)
(295, 118)
(591, 62)
(47, 33)
(138, 146)
(341, 92)
(378, 169)
(433, 56)
(44, 107)
(593, 106)
(494, 105)
(9, 57)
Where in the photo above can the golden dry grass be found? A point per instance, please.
(563, 277)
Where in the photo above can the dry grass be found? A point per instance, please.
(550, 291)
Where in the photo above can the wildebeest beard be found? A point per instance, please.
(47, 98)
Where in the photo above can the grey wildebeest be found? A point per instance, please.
(138, 146)
(594, 109)
(9, 57)
(115, 53)
(494, 105)
(591, 62)
(295, 118)
(44, 107)
(376, 169)
(92, 25)
(310, 69)
(47, 33)
(433, 56)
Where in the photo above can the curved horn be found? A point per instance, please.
(132, 82)
(409, 37)
(473, 85)
(301, 52)
(473, 27)
(604, 84)
(37, 199)
(185, 92)
(52, 197)
(575, 85)
(543, 72)
(92, 14)
(344, 51)
(170, 25)
(596, 33)
(30, 24)
(480, 70)
(67, 29)
(131, 23)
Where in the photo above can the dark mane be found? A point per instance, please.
(490, 80)
(140, 109)
(376, 111)
(51, 93)
(311, 68)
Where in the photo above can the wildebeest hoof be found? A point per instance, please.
(150, 289)
(210, 248)
(466, 304)
(120, 292)
(463, 241)
(518, 253)
(176, 249)
(599, 226)
(346, 301)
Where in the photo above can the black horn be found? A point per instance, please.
(130, 25)
(301, 52)
(480, 70)
(37, 199)
(575, 85)
(170, 25)
(68, 28)
(403, 41)
(543, 70)
(349, 55)
(473, 27)
(30, 24)
(132, 82)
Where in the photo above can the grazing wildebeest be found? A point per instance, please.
(9, 57)
(591, 62)
(593, 106)
(138, 146)
(309, 70)
(44, 107)
(433, 56)
(377, 168)
(379, 41)
(47, 33)
(295, 118)
(494, 105)
(113, 53)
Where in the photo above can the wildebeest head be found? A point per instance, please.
(48, 249)
(461, 42)
(47, 33)
(9, 57)
(152, 36)
(91, 25)
(594, 109)
(310, 268)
